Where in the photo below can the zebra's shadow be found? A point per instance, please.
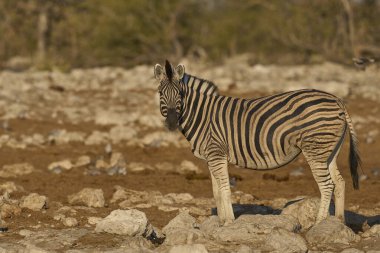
(357, 222)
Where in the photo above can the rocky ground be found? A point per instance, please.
(87, 166)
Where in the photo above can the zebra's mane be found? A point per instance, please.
(200, 84)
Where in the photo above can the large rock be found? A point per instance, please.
(9, 187)
(374, 231)
(304, 210)
(124, 222)
(249, 228)
(34, 202)
(89, 197)
(182, 230)
(331, 231)
(15, 170)
(188, 248)
(282, 240)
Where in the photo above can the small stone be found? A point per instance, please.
(89, 197)
(93, 220)
(300, 171)
(25, 232)
(187, 167)
(124, 222)
(59, 217)
(188, 248)
(63, 165)
(108, 149)
(70, 222)
(179, 197)
(101, 164)
(83, 160)
(9, 187)
(363, 177)
(8, 210)
(34, 202)
(15, 170)
(375, 172)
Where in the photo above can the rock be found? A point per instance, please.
(374, 231)
(331, 231)
(61, 165)
(139, 167)
(117, 165)
(83, 160)
(179, 197)
(53, 240)
(187, 167)
(93, 220)
(97, 138)
(15, 170)
(122, 133)
(165, 167)
(124, 222)
(9, 210)
(70, 222)
(305, 210)
(282, 240)
(89, 197)
(9, 187)
(188, 248)
(250, 228)
(351, 250)
(181, 230)
(182, 220)
(61, 136)
(34, 202)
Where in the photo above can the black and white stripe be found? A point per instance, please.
(263, 133)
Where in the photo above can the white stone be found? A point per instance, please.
(331, 230)
(188, 248)
(83, 160)
(179, 197)
(187, 167)
(93, 220)
(122, 133)
(64, 164)
(15, 170)
(123, 222)
(374, 231)
(10, 187)
(70, 222)
(89, 197)
(34, 202)
(305, 210)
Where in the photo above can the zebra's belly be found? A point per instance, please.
(268, 162)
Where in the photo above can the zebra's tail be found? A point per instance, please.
(354, 156)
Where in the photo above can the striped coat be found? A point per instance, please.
(263, 133)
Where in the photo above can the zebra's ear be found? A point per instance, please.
(158, 72)
(180, 69)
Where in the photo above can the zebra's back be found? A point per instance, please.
(268, 132)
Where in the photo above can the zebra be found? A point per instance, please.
(261, 134)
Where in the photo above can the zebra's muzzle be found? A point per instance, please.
(172, 119)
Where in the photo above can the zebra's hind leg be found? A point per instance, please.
(322, 176)
(221, 189)
(339, 189)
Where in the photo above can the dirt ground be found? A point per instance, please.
(261, 184)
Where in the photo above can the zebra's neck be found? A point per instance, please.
(193, 119)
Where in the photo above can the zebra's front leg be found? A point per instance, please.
(221, 188)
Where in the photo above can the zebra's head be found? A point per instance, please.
(170, 91)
